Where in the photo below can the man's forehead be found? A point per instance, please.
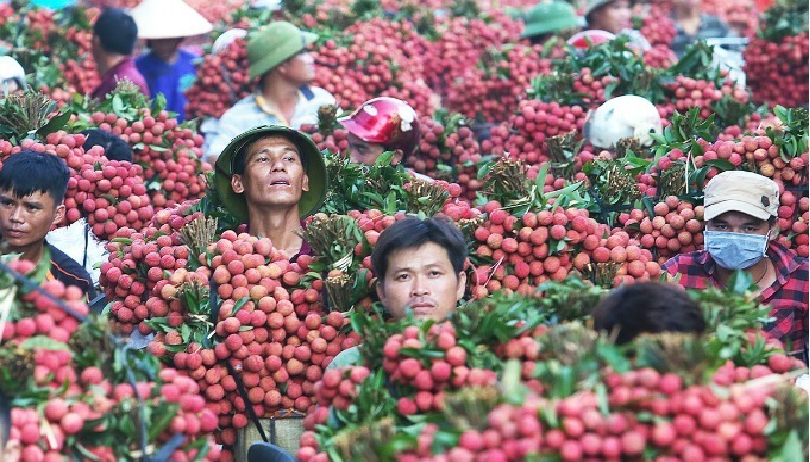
(734, 215)
(428, 254)
(271, 142)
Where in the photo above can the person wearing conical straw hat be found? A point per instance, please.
(279, 60)
(168, 69)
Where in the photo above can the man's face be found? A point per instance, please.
(24, 222)
(738, 222)
(165, 49)
(274, 174)
(614, 17)
(9, 87)
(423, 279)
(365, 153)
(300, 68)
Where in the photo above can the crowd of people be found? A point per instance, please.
(271, 176)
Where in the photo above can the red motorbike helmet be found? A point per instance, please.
(390, 122)
(585, 39)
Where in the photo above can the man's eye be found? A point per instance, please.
(402, 277)
(435, 273)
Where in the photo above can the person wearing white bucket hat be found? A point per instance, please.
(12, 76)
(168, 69)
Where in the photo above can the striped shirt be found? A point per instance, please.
(253, 111)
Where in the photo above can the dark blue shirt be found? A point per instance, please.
(170, 79)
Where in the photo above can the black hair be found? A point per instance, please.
(5, 420)
(648, 307)
(114, 147)
(31, 171)
(241, 155)
(117, 31)
(412, 232)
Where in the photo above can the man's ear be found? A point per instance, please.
(380, 291)
(60, 214)
(236, 184)
(305, 182)
(462, 285)
(398, 155)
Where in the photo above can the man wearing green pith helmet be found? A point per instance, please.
(549, 18)
(280, 60)
(271, 177)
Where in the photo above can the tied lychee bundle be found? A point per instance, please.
(429, 376)
(616, 260)
(777, 71)
(656, 26)
(413, 89)
(793, 219)
(169, 153)
(328, 133)
(491, 91)
(338, 386)
(688, 93)
(112, 195)
(522, 253)
(758, 154)
(222, 80)
(461, 41)
(334, 72)
(136, 264)
(534, 122)
(660, 56)
(676, 227)
(446, 143)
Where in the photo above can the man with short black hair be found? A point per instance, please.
(740, 210)
(114, 147)
(419, 266)
(114, 37)
(32, 187)
(647, 307)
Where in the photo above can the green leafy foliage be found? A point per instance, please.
(784, 18)
(792, 136)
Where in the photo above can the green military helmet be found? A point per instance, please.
(550, 17)
(236, 203)
(272, 45)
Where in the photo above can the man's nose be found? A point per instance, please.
(17, 215)
(418, 288)
(278, 165)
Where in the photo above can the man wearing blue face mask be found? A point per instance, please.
(740, 210)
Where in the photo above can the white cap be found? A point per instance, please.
(746, 192)
(623, 117)
(166, 19)
(226, 38)
(10, 69)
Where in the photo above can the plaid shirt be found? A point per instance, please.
(787, 296)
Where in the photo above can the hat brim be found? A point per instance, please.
(267, 63)
(236, 204)
(712, 211)
(549, 27)
(359, 131)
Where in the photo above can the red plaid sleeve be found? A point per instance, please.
(789, 304)
(690, 269)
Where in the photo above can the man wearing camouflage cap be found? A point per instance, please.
(280, 60)
(740, 210)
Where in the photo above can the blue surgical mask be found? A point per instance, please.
(735, 251)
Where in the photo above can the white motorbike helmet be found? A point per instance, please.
(622, 117)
